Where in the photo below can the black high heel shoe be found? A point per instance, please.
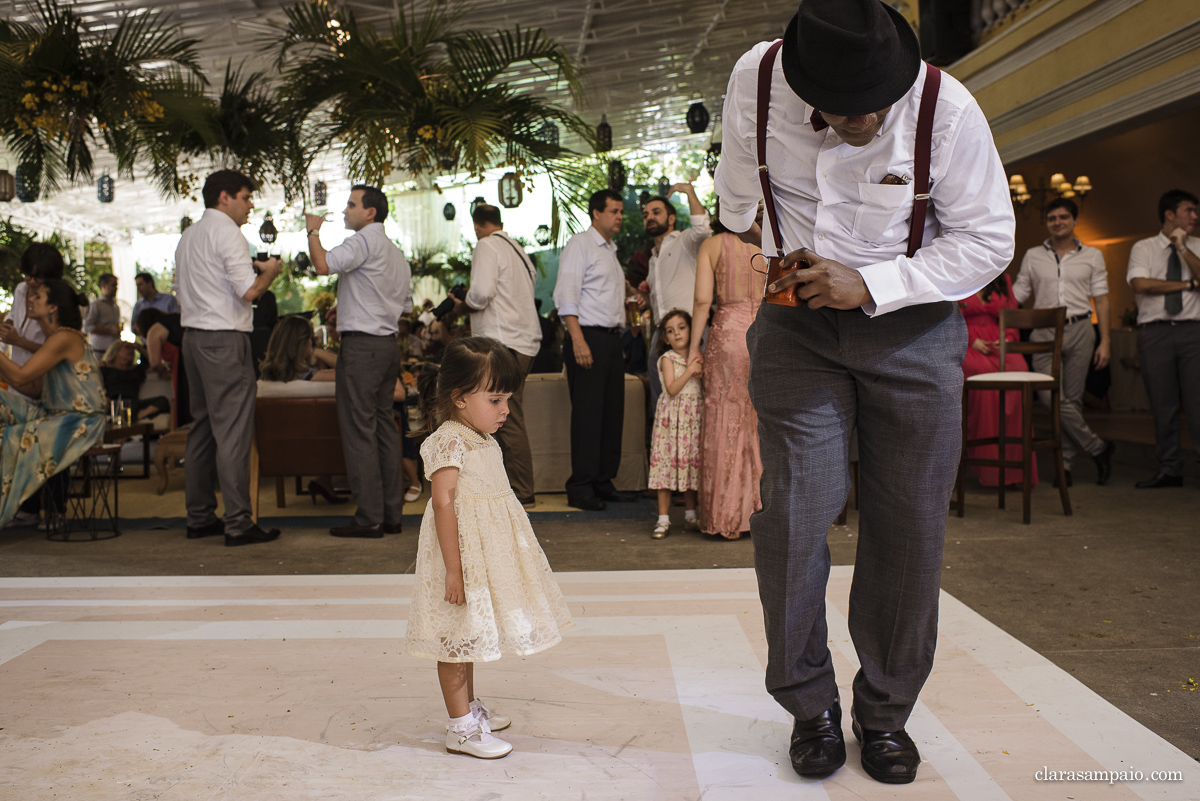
(315, 489)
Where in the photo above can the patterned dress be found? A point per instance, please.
(513, 603)
(38, 440)
(675, 443)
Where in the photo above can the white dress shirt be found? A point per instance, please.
(591, 283)
(213, 270)
(374, 282)
(501, 294)
(1148, 259)
(672, 275)
(1071, 281)
(101, 313)
(829, 198)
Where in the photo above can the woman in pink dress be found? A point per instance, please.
(730, 467)
(982, 314)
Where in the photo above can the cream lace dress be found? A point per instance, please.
(513, 603)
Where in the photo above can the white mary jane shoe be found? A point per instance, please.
(494, 722)
(414, 492)
(476, 742)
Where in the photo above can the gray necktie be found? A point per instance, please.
(1174, 300)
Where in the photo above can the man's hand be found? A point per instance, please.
(7, 332)
(683, 187)
(312, 222)
(583, 354)
(1179, 238)
(1103, 354)
(823, 282)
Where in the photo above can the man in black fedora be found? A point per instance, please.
(873, 341)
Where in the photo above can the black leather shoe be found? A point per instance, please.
(211, 530)
(251, 536)
(391, 528)
(1103, 462)
(355, 530)
(1160, 480)
(589, 504)
(890, 757)
(818, 747)
(1069, 482)
(619, 496)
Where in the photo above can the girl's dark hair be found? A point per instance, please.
(663, 347)
(147, 318)
(42, 261)
(468, 364)
(718, 227)
(63, 296)
(286, 358)
(999, 285)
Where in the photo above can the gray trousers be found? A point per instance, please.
(221, 392)
(514, 439)
(366, 379)
(1170, 358)
(1078, 347)
(814, 376)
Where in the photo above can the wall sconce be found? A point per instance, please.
(1058, 186)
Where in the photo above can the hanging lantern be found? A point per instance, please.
(268, 233)
(548, 133)
(711, 158)
(664, 186)
(616, 175)
(320, 193)
(448, 211)
(477, 202)
(104, 188)
(446, 155)
(184, 223)
(697, 118)
(8, 186)
(542, 235)
(28, 187)
(603, 135)
(510, 190)
(643, 198)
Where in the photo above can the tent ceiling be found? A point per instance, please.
(645, 62)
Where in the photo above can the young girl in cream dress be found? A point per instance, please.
(484, 586)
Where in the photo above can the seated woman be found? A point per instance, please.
(981, 312)
(41, 440)
(123, 379)
(163, 334)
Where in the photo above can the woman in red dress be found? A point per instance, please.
(982, 314)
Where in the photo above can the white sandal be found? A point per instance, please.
(413, 493)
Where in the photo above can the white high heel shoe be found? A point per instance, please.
(476, 741)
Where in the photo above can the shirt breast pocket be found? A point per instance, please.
(883, 212)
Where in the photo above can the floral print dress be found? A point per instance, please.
(675, 442)
(38, 440)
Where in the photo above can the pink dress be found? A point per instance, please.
(983, 411)
(730, 466)
(675, 442)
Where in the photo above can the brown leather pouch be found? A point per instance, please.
(775, 271)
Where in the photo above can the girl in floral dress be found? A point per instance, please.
(675, 443)
(484, 586)
(40, 440)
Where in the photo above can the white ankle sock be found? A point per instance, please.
(664, 520)
(689, 514)
(465, 723)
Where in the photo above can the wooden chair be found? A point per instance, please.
(1027, 384)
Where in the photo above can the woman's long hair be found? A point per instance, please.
(468, 364)
(63, 297)
(998, 285)
(287, 356)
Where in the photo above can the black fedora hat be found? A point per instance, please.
(850, 57)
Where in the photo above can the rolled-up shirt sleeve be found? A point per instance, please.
(1023, 286)
(350, 255)
(1099, 277)
(701, 229)
(736, 179)
(485, 270)
(571, 266)
(972, 205)
(1139, 261)
(235, 255)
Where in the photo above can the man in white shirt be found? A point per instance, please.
(217, 286)
(590, 295)
(374, 290)
(876, 345)
(672, 268)
(502, 306)
(102, 323)
(1164, 271)
(1062, 271)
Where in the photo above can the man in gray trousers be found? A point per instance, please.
(217, 285)
(877, 343)
(374, 289)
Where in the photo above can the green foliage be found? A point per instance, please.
(14, 240)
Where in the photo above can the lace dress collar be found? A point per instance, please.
(470, 434)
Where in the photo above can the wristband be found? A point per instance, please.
(314, 233)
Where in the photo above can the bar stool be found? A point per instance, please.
(92, 495)
(1027, 384)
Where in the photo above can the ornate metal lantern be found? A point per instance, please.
(8, 186)
(664, 186)
(548, 133)
(184, 223)
(616, 175)
(446, 155)
(604, 135)
(477, 202)
(104, 188)
(448, 211)
(697, 118)
(320, 193)
(643, 198)
(711, 158)
(28, 186)
(510, 190)
(542, 235)
(267, 232)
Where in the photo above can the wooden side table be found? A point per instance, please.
(171, 448)
(118, 434)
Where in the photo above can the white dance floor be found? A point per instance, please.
(293, 688)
